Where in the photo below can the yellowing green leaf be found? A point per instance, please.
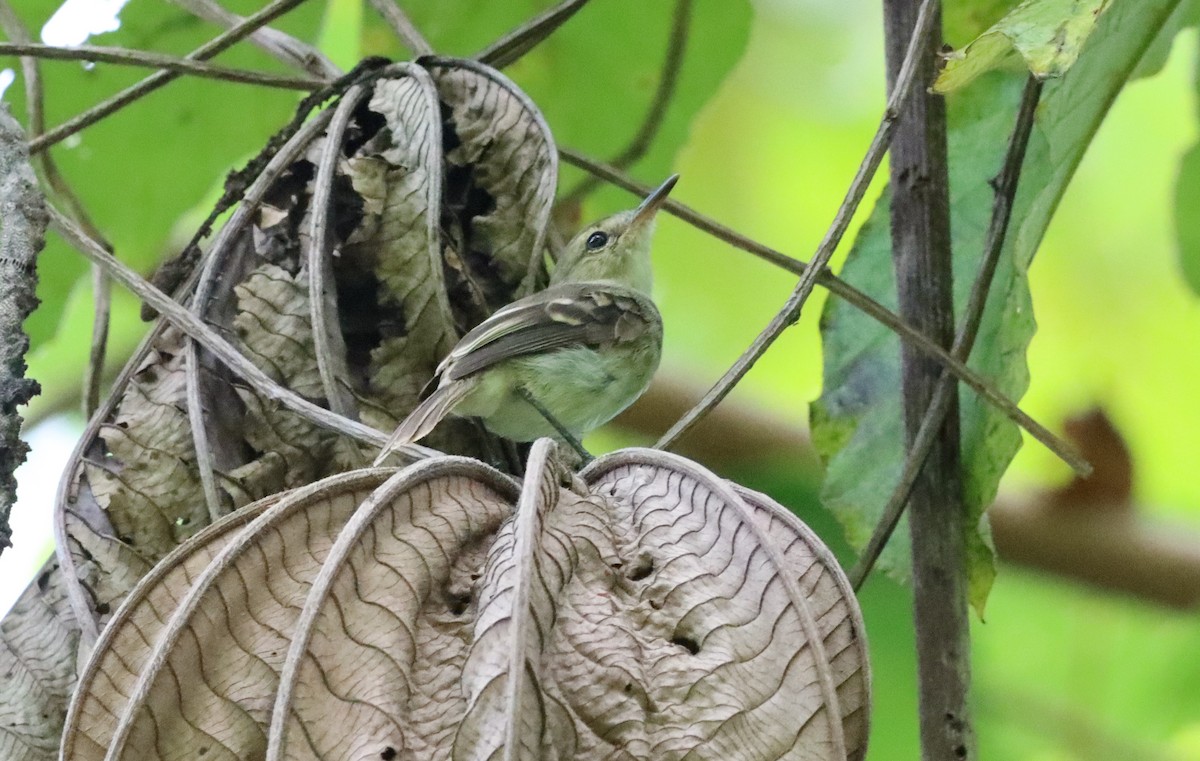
(1047, 34)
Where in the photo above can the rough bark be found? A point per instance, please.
(921, 258)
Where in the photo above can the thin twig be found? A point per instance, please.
(150, 60)
(93, 375)
(509, 48)
(663, 94)
(199, 331)
(571, 439)
(853, 296)
(1005, 186)
(403, 26)
(328, 343)
(160, 78)
(790, 313)
(279, 45)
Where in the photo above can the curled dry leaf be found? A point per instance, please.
(183, 441)
(502, 171)
(646, 610)
(217, 581)
(38, 642)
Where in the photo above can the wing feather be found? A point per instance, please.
(562, 316)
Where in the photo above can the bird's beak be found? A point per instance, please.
(649, 207)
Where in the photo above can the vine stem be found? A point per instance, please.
(1005, 185)
(126, 57)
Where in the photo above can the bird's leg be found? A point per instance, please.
(567, 436)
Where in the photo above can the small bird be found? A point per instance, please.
(566, 359)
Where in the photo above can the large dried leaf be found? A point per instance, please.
(38, 640)
(501, 176)
(108, 680)
(749, 640)
(650, 610)
(399, 176)
(215, 588)
(144, 479)
(137, 490)
(382, 638)
(510, 706)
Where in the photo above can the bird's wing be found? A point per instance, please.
(571, 314)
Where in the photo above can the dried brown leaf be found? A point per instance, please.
(384, 633)
(745, 627)
(502, 175)
(38, 640)
(240, 584)
(650, 610)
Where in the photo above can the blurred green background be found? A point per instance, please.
(776, 106)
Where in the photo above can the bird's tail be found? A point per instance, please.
(422, 420)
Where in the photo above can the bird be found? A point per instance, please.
(565, 360)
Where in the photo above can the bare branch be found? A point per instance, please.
(22, 236)
(939, 522)
(150, 60)
(403, 27)
(509, 48)
(1006, 189)
(790, 313)
(160, 78)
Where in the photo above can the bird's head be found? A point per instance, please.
(616, 248)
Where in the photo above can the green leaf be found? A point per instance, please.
(1187, 222)
(595, 100)
(341, 32)
(1048, 35)
(857, 423)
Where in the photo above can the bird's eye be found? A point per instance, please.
(597, 240)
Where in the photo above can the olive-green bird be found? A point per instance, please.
(583, 349)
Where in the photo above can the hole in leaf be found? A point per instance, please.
(687, 643)
(641, 569)
(458, 604)
(388, 753)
